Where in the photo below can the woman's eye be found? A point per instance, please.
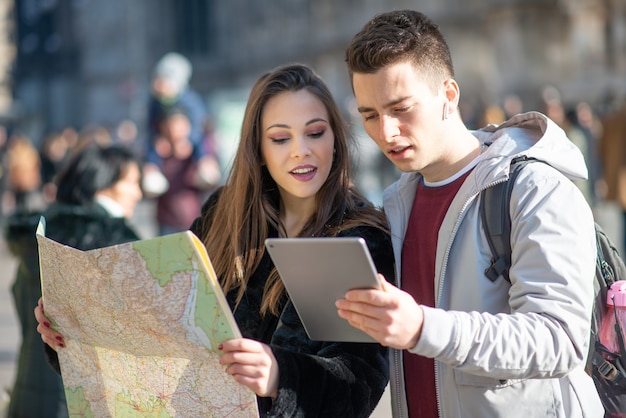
(279, 140)
(402, 109)
(369, 117)
(317, 134)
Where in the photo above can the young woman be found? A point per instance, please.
(290, 178)
(97, 191)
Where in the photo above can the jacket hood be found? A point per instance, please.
(532, 135)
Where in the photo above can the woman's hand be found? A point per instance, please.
(48, 335)
(252, 364)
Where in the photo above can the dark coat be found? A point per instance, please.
(316, 379)
(38, 390)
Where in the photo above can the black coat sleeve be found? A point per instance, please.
(330, 379)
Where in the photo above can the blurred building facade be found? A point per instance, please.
(85, 61)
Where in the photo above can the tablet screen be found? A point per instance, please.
(316, 273)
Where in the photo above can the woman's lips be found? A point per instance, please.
(304, 173)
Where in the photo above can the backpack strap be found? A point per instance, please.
(607, 365)
(605, 269)
(608, 274)
(496, 218)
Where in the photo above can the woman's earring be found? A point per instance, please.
(445, 110)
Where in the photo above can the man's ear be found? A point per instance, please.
(452, 93)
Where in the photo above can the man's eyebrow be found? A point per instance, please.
(364, 109)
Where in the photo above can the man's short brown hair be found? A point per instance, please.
(400, 36)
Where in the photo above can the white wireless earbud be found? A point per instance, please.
(445, 110)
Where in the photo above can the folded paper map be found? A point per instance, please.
(142, 322)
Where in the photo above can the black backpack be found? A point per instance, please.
(607, 369)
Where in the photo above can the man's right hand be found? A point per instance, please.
(390, 316)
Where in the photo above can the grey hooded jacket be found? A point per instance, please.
(509, 349)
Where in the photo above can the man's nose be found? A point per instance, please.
(388, 127)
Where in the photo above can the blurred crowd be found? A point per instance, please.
(180, 148)
(87, 183)
(179, 152)
(598, 129)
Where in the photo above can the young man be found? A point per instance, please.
(466, 346)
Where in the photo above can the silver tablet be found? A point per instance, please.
(319, 271)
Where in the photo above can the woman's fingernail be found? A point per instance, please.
(220, 347)
(61, 345)
(46, 324)
(59, 338)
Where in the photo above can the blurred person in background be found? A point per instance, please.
(493, 114)
(180, 204)
(54, 150)
(127, 134)
(71, 136)
(555, 109)
(512, 105)
(170, 87)
(585, 118)
(3, 173)
(97, 191)
(94, 134)
(612, 154)
(24, 183)
(210, 167)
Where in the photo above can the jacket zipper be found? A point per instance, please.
(443, 275)
(397, 354)
(399, 392)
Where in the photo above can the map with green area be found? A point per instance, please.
(142, 322)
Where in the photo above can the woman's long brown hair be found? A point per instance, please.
(249, 202)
